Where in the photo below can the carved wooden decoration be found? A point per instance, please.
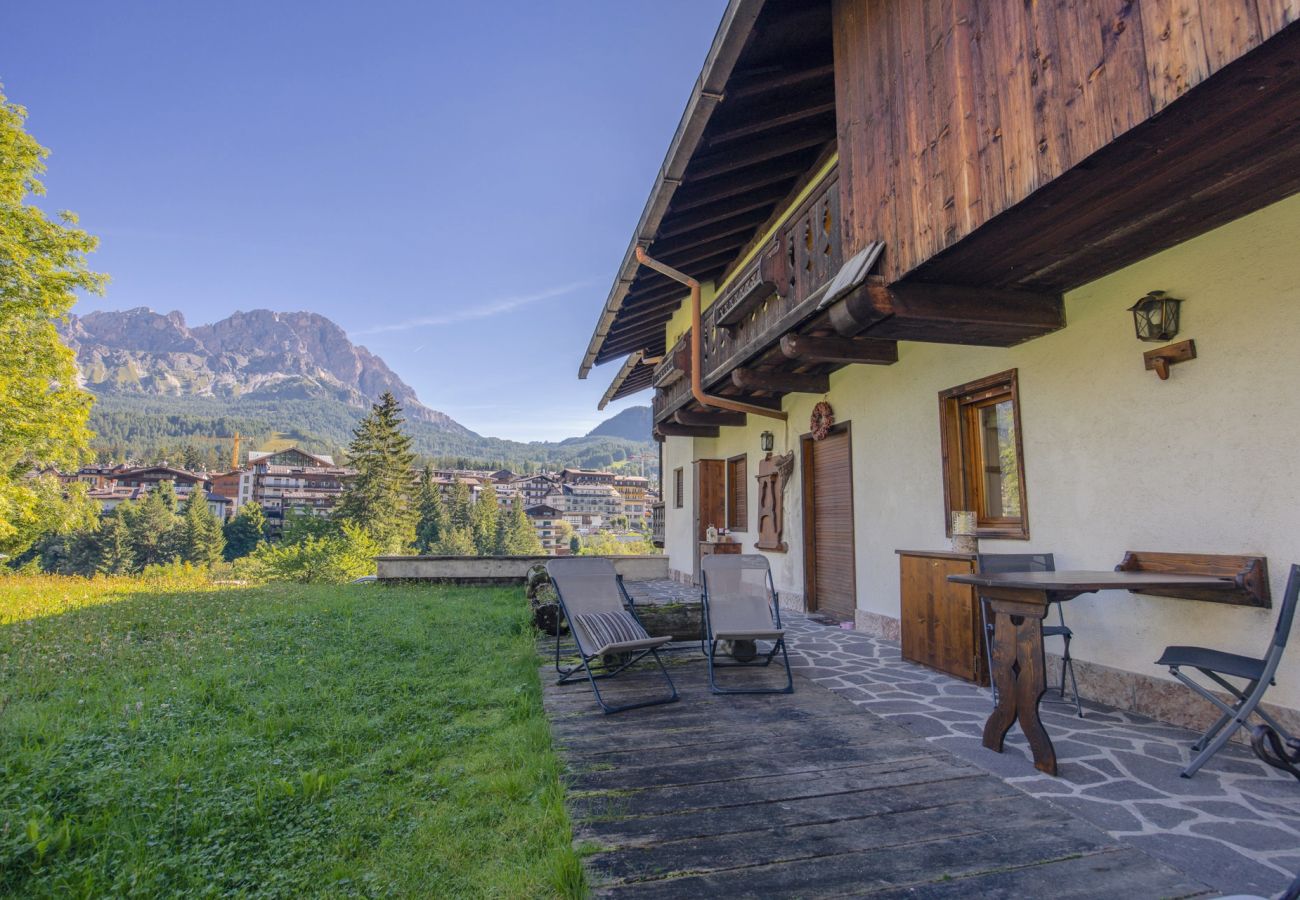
(771, 506)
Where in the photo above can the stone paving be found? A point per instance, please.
(1234, 825)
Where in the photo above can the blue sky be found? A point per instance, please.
(453, 183)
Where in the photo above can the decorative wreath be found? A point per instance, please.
(821, 420)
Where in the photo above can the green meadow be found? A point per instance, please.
(168, 737)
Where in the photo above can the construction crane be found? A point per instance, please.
(234, 453)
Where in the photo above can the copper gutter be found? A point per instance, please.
(697, 382)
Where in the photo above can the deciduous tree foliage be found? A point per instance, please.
(42, 266)
(377, 498)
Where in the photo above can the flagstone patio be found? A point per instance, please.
(798, 775)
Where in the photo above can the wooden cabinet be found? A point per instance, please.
(719, 547)
(940, 621)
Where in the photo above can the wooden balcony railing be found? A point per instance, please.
(770, 295)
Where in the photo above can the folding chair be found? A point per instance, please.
(1028, 562)
(740, 605)
(604, 624)
(1257, 673)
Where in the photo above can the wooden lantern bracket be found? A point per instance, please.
(1160, 359)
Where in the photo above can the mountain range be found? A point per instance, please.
(161, 383)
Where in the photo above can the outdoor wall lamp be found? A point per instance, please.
(766, 441)
(1155, 317)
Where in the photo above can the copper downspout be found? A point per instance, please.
(697, 383)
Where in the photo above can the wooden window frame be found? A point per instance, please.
(679, 487)
(743, 526)
(957, 408)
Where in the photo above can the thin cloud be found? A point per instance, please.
(482, 311)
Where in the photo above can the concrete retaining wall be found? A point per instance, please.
(500, 569)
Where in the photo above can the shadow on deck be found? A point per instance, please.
(807, 795)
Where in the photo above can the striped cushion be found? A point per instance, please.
(605, 628)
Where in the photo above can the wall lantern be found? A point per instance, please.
(766, 441)
(1155, 317)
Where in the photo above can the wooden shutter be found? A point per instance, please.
(678, 488)
(738, 493)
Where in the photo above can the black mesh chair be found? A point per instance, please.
(1028, 562)
(1219, 666)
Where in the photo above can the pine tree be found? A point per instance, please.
(432, 519)
(245, 531)
(200, 539)
(377, 499)
(483, 521)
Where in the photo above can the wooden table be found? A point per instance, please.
(1019, 601)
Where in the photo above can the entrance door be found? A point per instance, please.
(710, 502)
(829, 576)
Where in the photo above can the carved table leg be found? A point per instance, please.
(1020, 675)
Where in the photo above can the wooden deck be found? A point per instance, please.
(807, 795)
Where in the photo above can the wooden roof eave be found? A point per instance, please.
(737, 22)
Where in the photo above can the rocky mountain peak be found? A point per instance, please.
(257, 354)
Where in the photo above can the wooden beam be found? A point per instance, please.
(838, 350)
(780, 382)
(757, 202)
(694, 194)
(723, 417)
(674, 429)
(947, 313)
(749, 85)
(759, 151)
(773, 121)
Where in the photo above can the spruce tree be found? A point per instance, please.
(152, 525)
(483, 521)
(432, 519)
(114, 556)
(520, 536)
(377, 499)
(199, 538)
(458, 512)
(245, 531)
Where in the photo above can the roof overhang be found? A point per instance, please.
(759, 114)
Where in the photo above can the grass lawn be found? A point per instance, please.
(285, 740)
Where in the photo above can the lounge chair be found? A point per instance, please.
(604, 624)
(741, 607)
(1029, 562)
(1257, 673)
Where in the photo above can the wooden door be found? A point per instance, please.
(829, 571)
(710, 501)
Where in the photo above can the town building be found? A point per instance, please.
(546, 522)
(905, 261)
(291, 482)
(633, 490)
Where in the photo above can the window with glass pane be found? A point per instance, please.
(982, 456)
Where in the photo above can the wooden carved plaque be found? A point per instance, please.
(771, 507)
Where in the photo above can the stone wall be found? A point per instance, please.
(500, 569)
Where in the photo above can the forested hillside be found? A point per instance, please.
(200, 430)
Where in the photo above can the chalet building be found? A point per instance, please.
(927, 239)
(149, 477)
(586, 477)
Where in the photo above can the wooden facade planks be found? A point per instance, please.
(953, 111)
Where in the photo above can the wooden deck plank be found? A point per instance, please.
(807, 795)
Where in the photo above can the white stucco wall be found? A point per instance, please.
(1115, 459)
